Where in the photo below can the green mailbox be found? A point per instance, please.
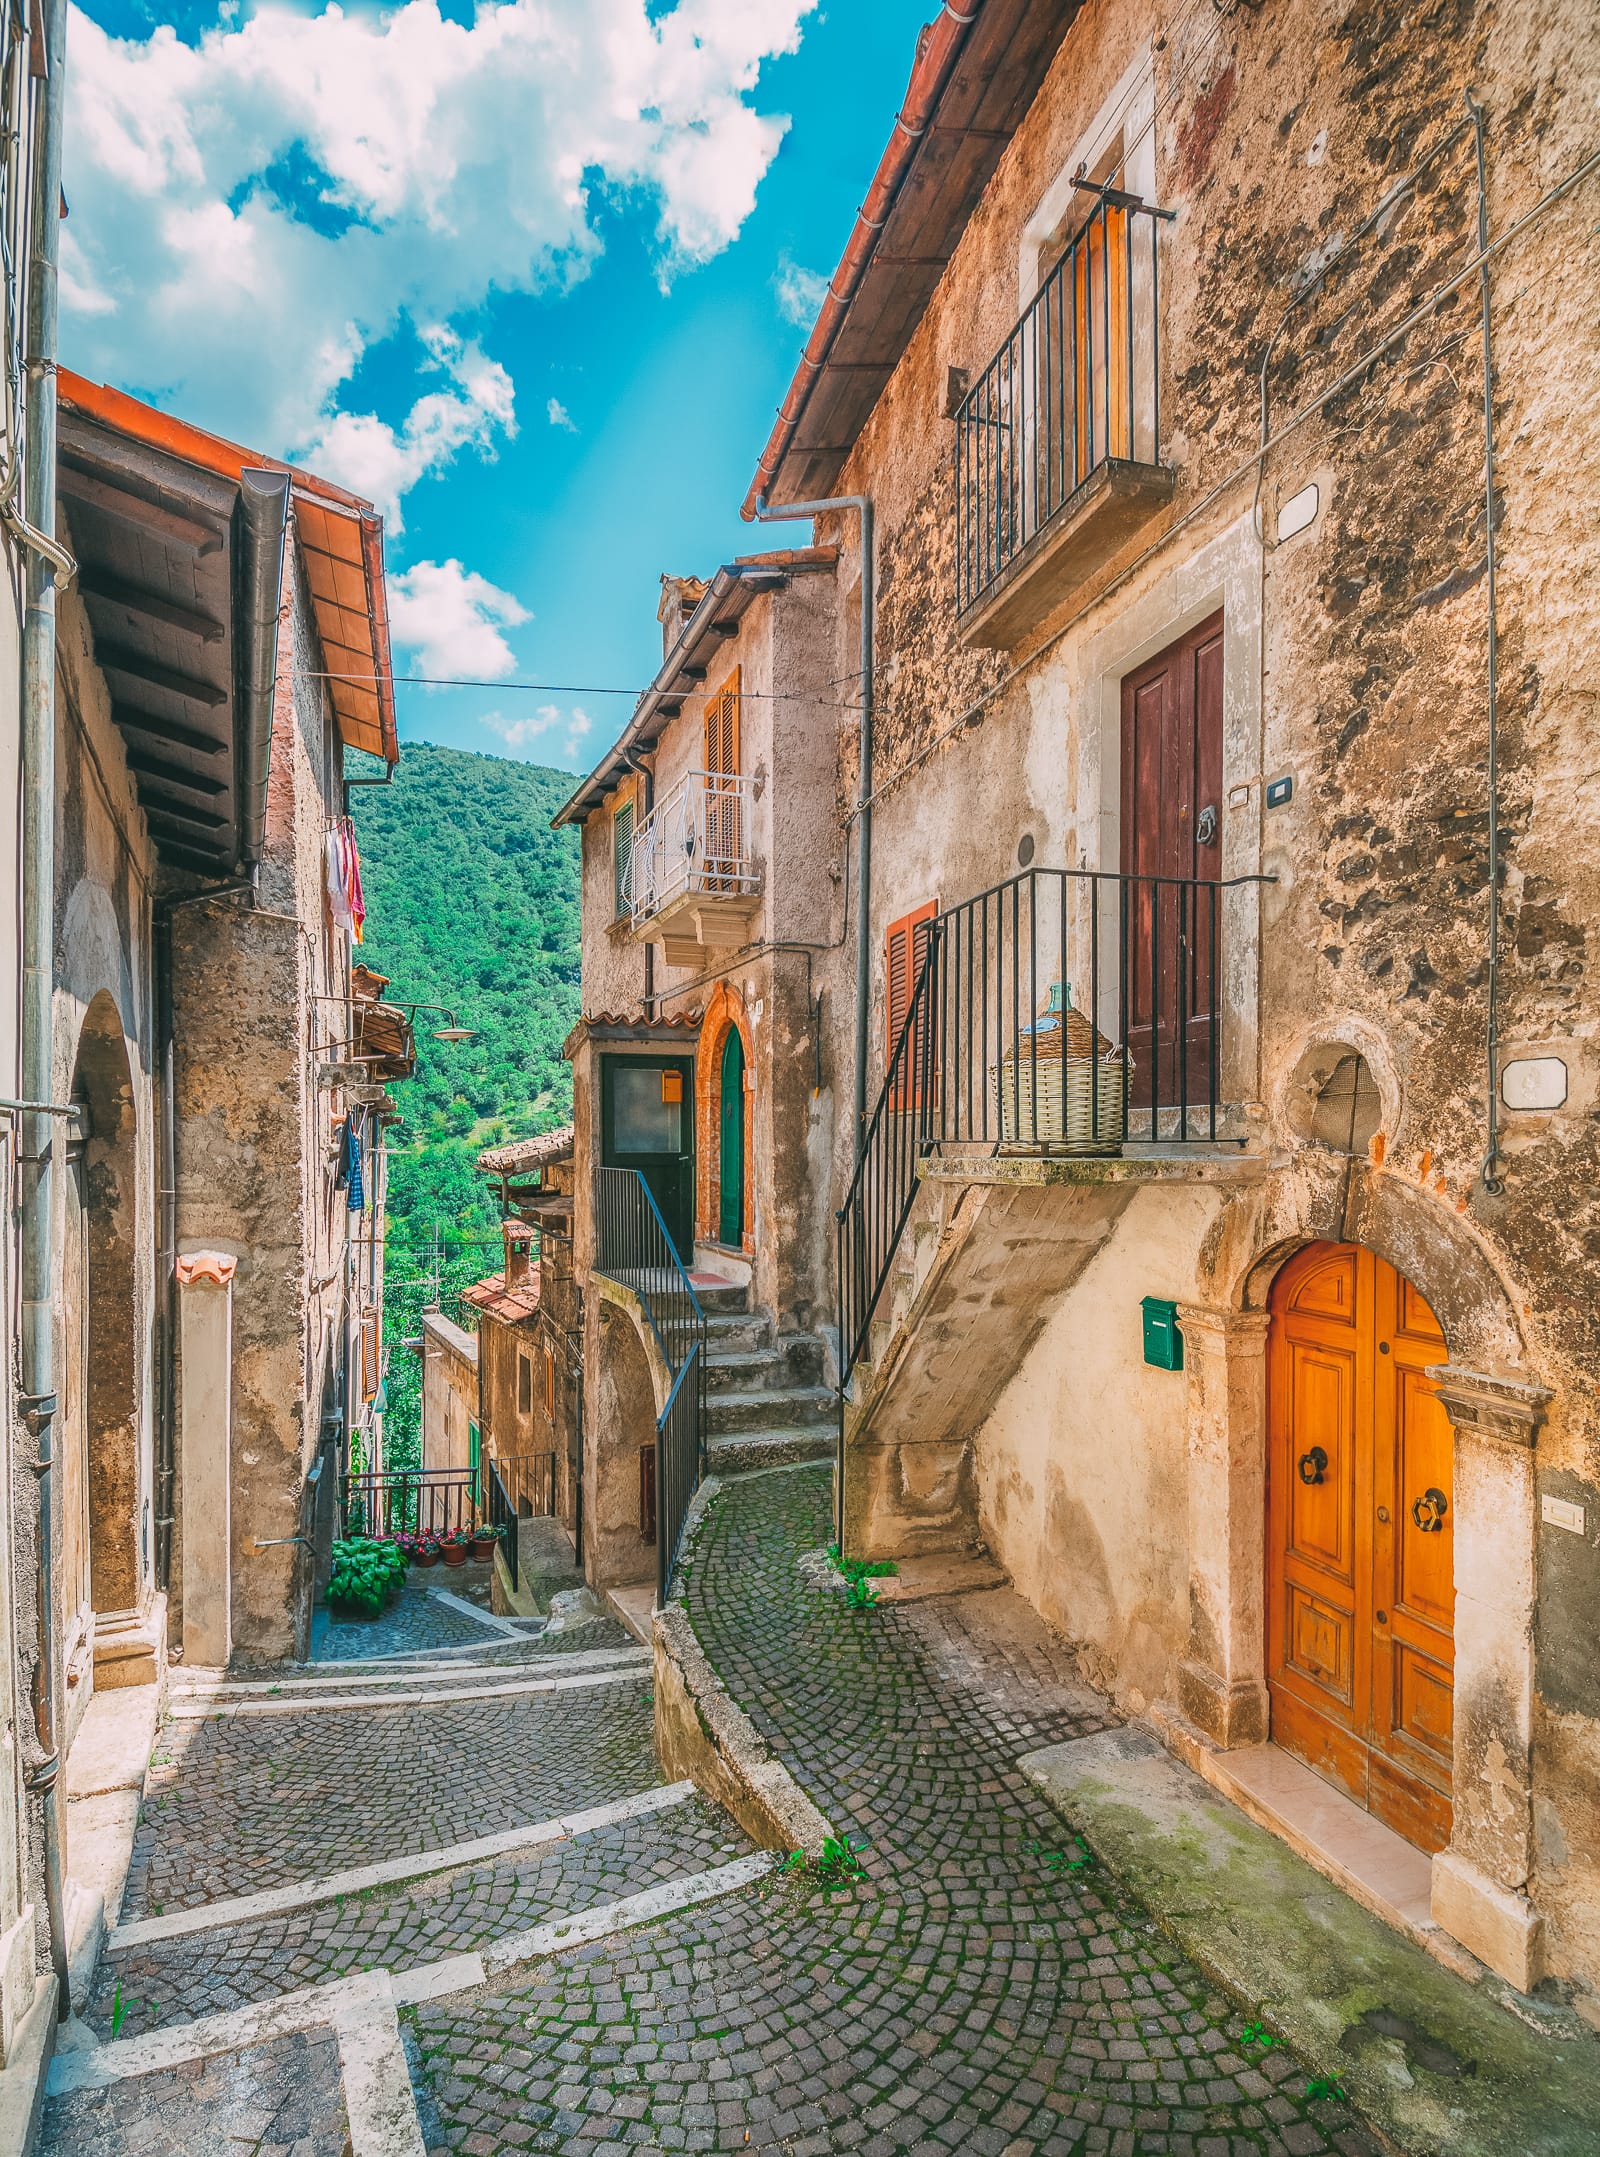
(1163, 1343)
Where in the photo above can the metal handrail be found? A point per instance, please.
(635, 1248)
(1075, 383)
(1058, 1011)
(695, 840)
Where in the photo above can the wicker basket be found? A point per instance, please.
(1073, 1074)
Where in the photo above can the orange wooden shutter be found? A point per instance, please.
(722, 728)
(905, 947)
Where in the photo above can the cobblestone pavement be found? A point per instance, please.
(256, 1801)
(405, 1926)
(282, 2099)
(415, 1619)
(984, 1988)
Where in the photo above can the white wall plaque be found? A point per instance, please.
(1299, 511)
(1561, 1513)
(1533, 1082)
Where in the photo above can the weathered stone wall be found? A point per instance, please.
(450, 1390)
(1356, 663)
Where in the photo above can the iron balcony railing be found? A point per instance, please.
(1075, 383)
(408, 1501)
(1061, 1012)
(634, 1248)
(694, 843)
(521, 1486)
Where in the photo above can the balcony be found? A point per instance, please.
(692, 885)
(1058, 441)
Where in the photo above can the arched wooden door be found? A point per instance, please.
(1360, 1542)
(730, 1159)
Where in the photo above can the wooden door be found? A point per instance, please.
(1172, 847)
(647, 1123)
(1360, 1537)
(730, 1156)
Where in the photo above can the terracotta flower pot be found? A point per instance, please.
(482, 1548)
(425, 1557)
(455, 1553)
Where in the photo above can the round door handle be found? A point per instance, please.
(1312, 1465)
(1429, 1510)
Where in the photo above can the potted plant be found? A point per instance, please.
(455, 1549)
(484, 1539)
(426, 1551)
(365, 1574)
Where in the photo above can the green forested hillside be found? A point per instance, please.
(472, 902)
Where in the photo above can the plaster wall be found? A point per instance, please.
(449, 1391)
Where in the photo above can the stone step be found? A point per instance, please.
(796, 1362)
(737, 1333)
(790, 1406)
(730, 1298)
(749, 1451)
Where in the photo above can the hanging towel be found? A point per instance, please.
(338, 896)
(357, 1197)
(353, 891)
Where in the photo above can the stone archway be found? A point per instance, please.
(105, 1323)
(1480, 1879)
(725, 1014)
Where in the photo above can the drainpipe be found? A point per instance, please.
(862, 505)
(264, 519)
(38, 1399)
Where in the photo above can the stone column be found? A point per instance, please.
(205, 1336)
(1480, 1882)
(1222, 1681)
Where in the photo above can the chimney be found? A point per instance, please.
(517, 1241)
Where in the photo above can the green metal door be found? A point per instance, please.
(647, 1123)
(730, 1184)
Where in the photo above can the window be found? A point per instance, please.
(622, 858)
(647, 1110)
(524, 1385)
(905, 948)
(723, 833)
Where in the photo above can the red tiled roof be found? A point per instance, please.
(509, 1304)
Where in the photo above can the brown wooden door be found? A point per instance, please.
(1172, 830)
(1360, 1537)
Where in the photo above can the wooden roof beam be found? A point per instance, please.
(134, 666)
(135, 509)
(135, 719)
(100, 584)
(163, 768)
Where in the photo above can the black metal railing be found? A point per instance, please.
(1075, 383)
(634, 1247)
(1061, 1012)
(408, 1501)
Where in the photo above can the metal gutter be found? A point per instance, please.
(938, 49)
(264, 518)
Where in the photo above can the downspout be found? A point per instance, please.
(862, 505)
(1493, 1181)
(38, 1398)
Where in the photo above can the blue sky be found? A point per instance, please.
(529, 276)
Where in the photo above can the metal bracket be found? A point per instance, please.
(276, 1542)
(1119, 199)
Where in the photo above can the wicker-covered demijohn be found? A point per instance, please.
(1065, 1085)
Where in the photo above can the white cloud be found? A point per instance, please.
(252, 212)
(558, 416)
(801, 292)
(450, 619)
(536, 730)
(384, 463)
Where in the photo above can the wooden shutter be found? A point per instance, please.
(722, 729)
(723, 833)
(905, 947)
(622, 857)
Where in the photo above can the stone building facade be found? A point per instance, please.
(1223, 392)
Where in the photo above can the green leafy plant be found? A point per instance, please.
(1257, 2033)
(364, 1575)
(858, 1572)
(1324, 2086)
(839, 1865)
(119, 2009)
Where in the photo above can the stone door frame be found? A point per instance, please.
(1479, 1889)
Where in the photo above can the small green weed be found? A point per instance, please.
(119, 2009)
(858, 1573)
(1257, 2033)
(1078, 1859)
(1325, 2086)
(838, 1866)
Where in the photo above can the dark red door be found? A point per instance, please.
(1172, 846)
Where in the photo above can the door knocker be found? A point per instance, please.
(1429, 1510)
(1312, 1465)
(1205, 829)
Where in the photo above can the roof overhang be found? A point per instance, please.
(682, 675)
(979, 66)
(179, 538)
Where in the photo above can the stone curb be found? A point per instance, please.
(702, 1734)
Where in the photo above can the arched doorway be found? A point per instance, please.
(730, 1152)
(101, 1334)
(1360, 1536)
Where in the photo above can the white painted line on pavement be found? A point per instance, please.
(304, 1894)
(379, 2102)
(557, 1934)
(506, 1627)
(200, 1710)
(215, 1687)
(96, 2066)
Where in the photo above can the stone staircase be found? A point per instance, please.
(767, 1405)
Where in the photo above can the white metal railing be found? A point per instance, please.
(695, 840)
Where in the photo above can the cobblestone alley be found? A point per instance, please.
(355, 1917)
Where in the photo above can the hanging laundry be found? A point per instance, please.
(358, 903)
(343, 867)
(357, 1198)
